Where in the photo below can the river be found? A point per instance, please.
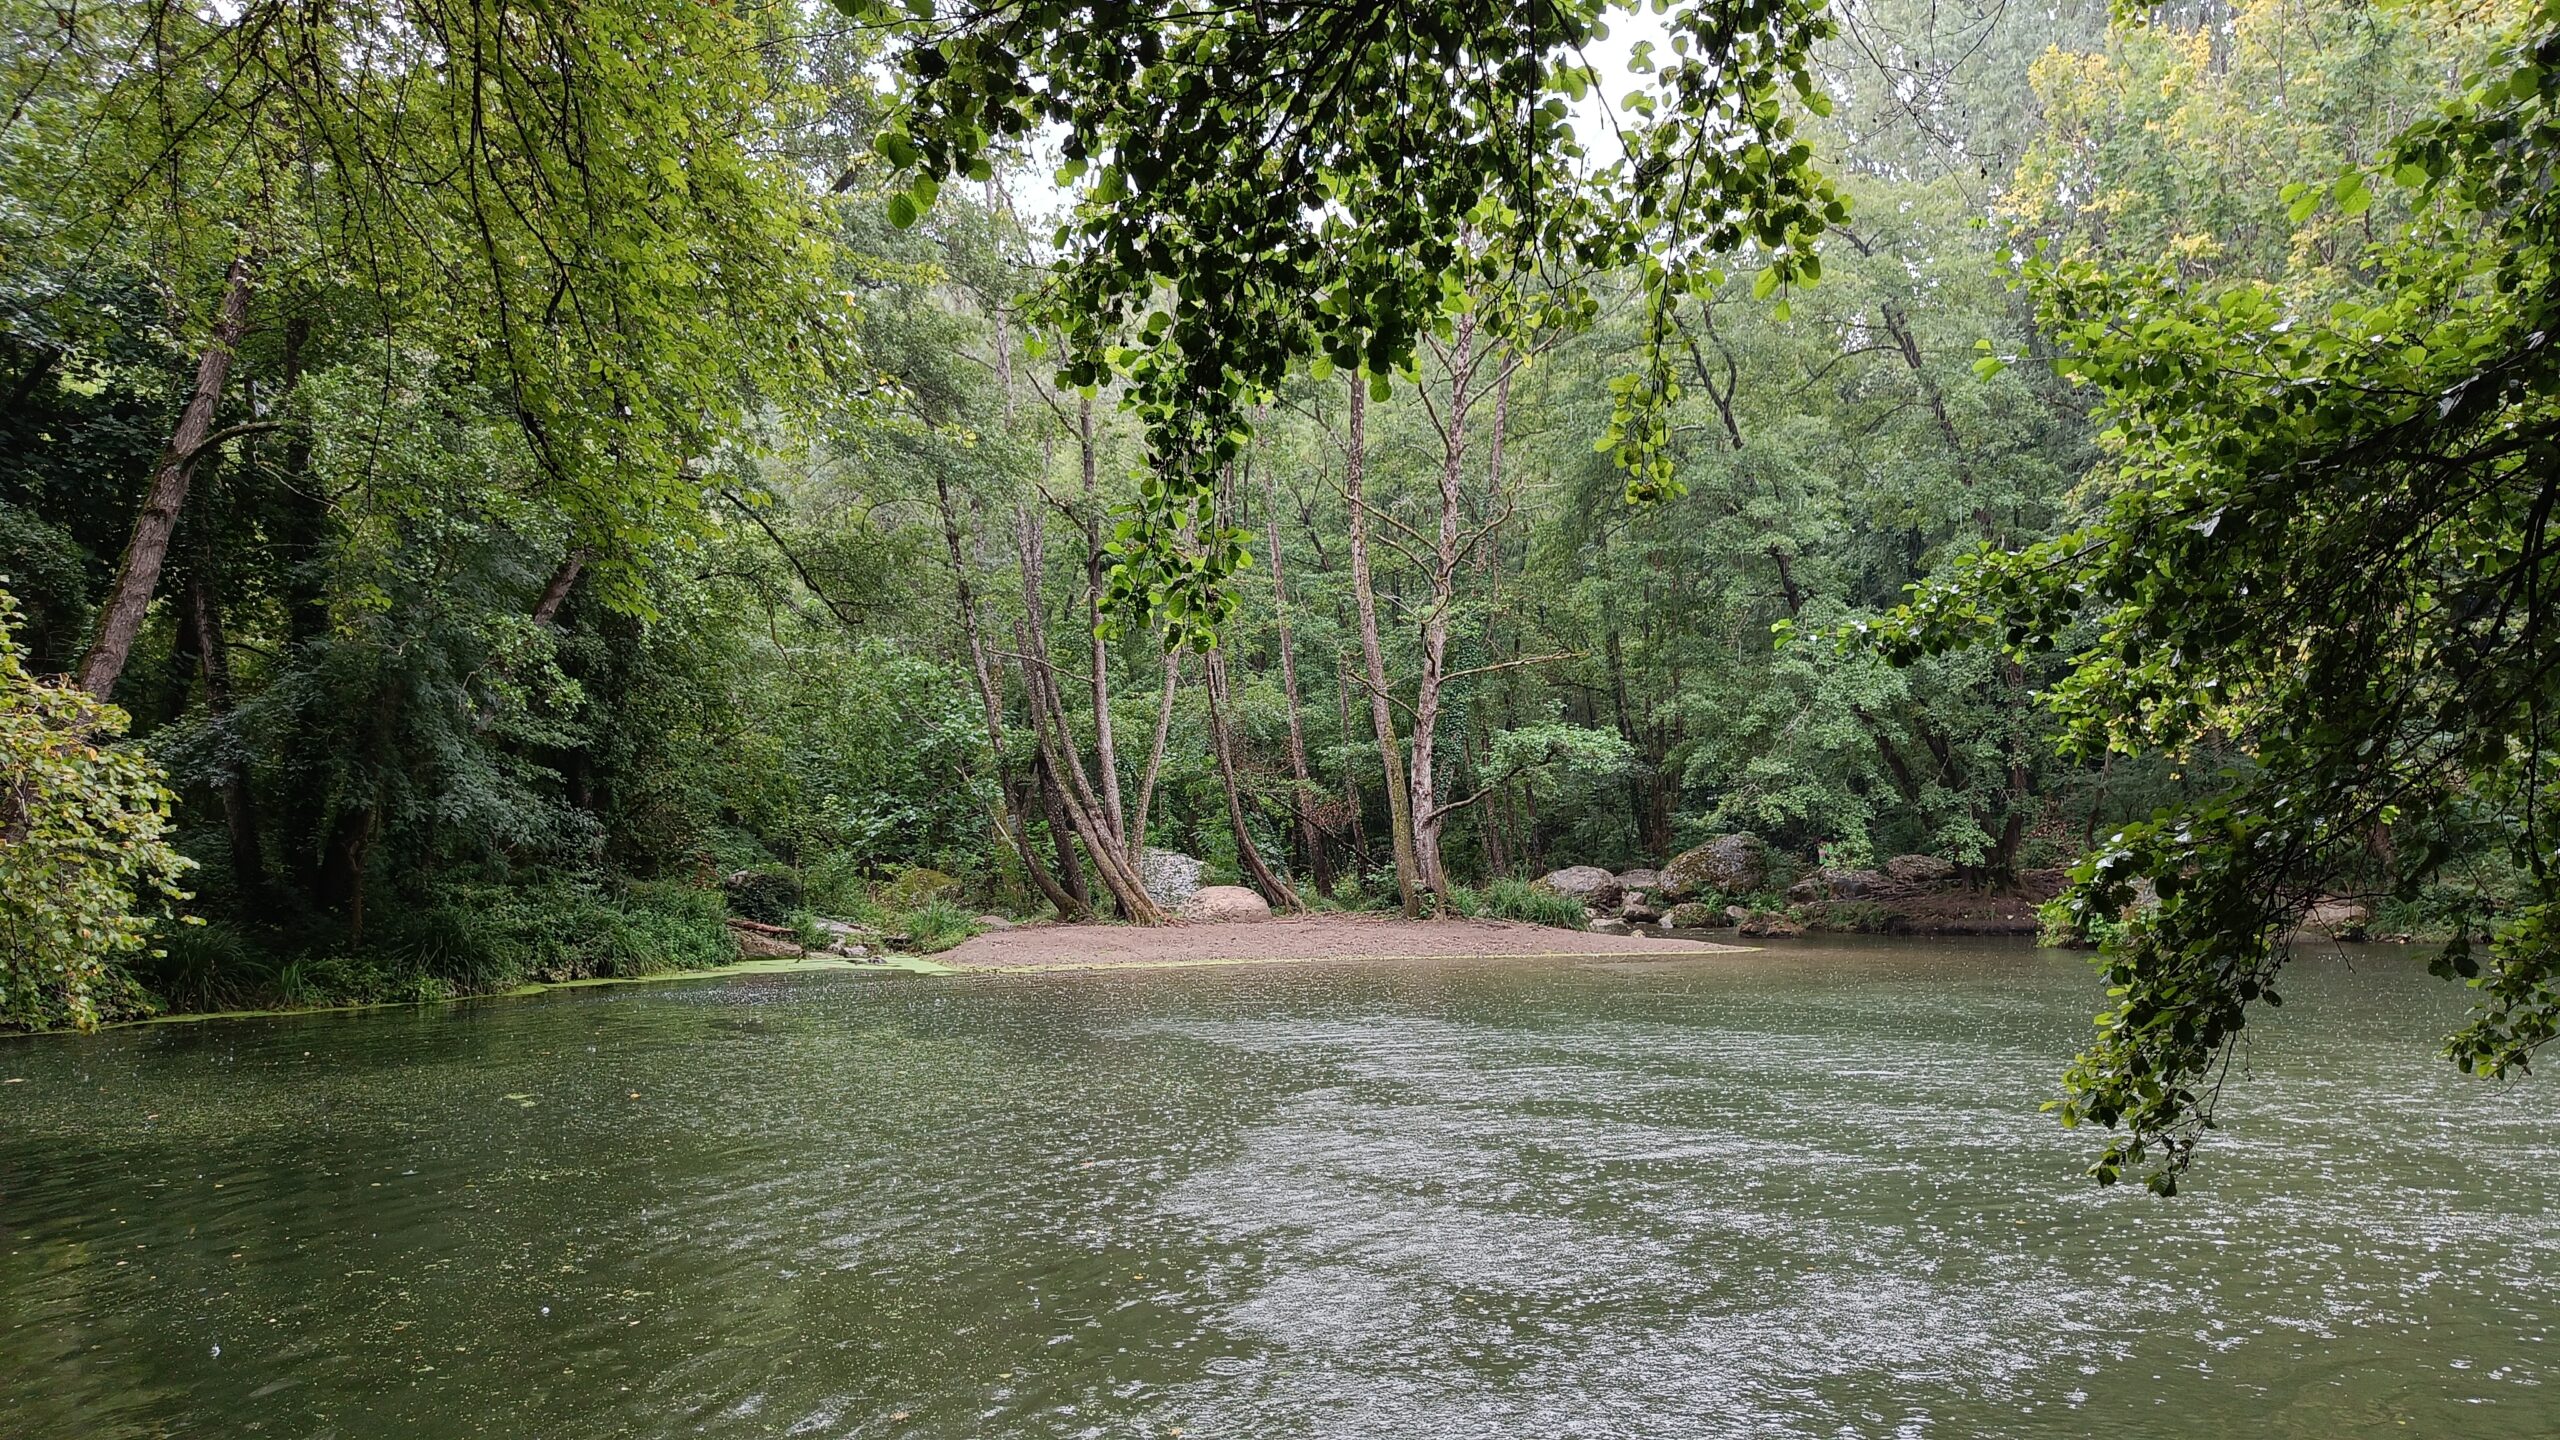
(1802, 1192)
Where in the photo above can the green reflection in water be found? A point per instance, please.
(1802, 1192)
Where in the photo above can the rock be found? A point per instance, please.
(1611, 927)
(756, 946)
(1639, 879)
(1170, 876)
(1853, 885)
(2333, 918)
(1737, 913)
(1640, 909)
(1693, 916)
(1769, 923)
(1597, 889)
(1919, 870)
(1726, 865)
(1225, 902)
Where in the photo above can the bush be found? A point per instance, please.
(832, 885)
(481, 939)
(85, 860)
(2059, 926)
(939, 926)
(917, 887)
(1509, 899)
(766, 894)
(1863, 917)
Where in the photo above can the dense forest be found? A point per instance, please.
(494, 492)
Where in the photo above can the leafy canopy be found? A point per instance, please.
(1308, 182)
(2329, 548)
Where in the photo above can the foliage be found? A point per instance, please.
(938, 925)
(1522, 900)
(2325, 540)
(86, 866)
(1272, 185)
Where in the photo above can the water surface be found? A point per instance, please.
(1804, 1192)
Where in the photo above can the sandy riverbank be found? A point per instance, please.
(1279, 941)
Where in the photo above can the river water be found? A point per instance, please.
(1803, 1192)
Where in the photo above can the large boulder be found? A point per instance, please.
(1918, 870)
(1170, 876)
(1726, 865)
(1225, 902)
(1645, 880)
(1597, 889)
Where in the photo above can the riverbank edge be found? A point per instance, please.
(932, 967)
(906, 964)
(903, 964)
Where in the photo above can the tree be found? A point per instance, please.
(1271, 185)
(2325, 544)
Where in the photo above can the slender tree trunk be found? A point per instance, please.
(555, 592)
(138, 574)
(1137, 848)
(1008, 811)
(1390, 750)
(239, 815)
(1351, 777)
(1302, 784)
(1084, 806)
(1053, 802)
(1106, 751)
(1223, 742)
(1429, 819)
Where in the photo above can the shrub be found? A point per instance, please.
(766, 894)
(85, 860)
(939, 926)
(832, 884)
(916, 887)
(1509, 899)
(1863, 917)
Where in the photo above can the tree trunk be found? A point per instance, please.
(1302, 785)
(1155, 761)
(1351, 777)
(1390, 750)
(138, 575)
(1062, 838)
(1008, 813)
(1429, 819)
(1106, 751)
(1049, 715)
(1222, 742)
(239, 817)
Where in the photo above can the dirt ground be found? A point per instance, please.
(1314, 937)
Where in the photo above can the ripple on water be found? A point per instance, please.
(1801, 1194)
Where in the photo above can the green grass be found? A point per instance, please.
(1509, 899)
